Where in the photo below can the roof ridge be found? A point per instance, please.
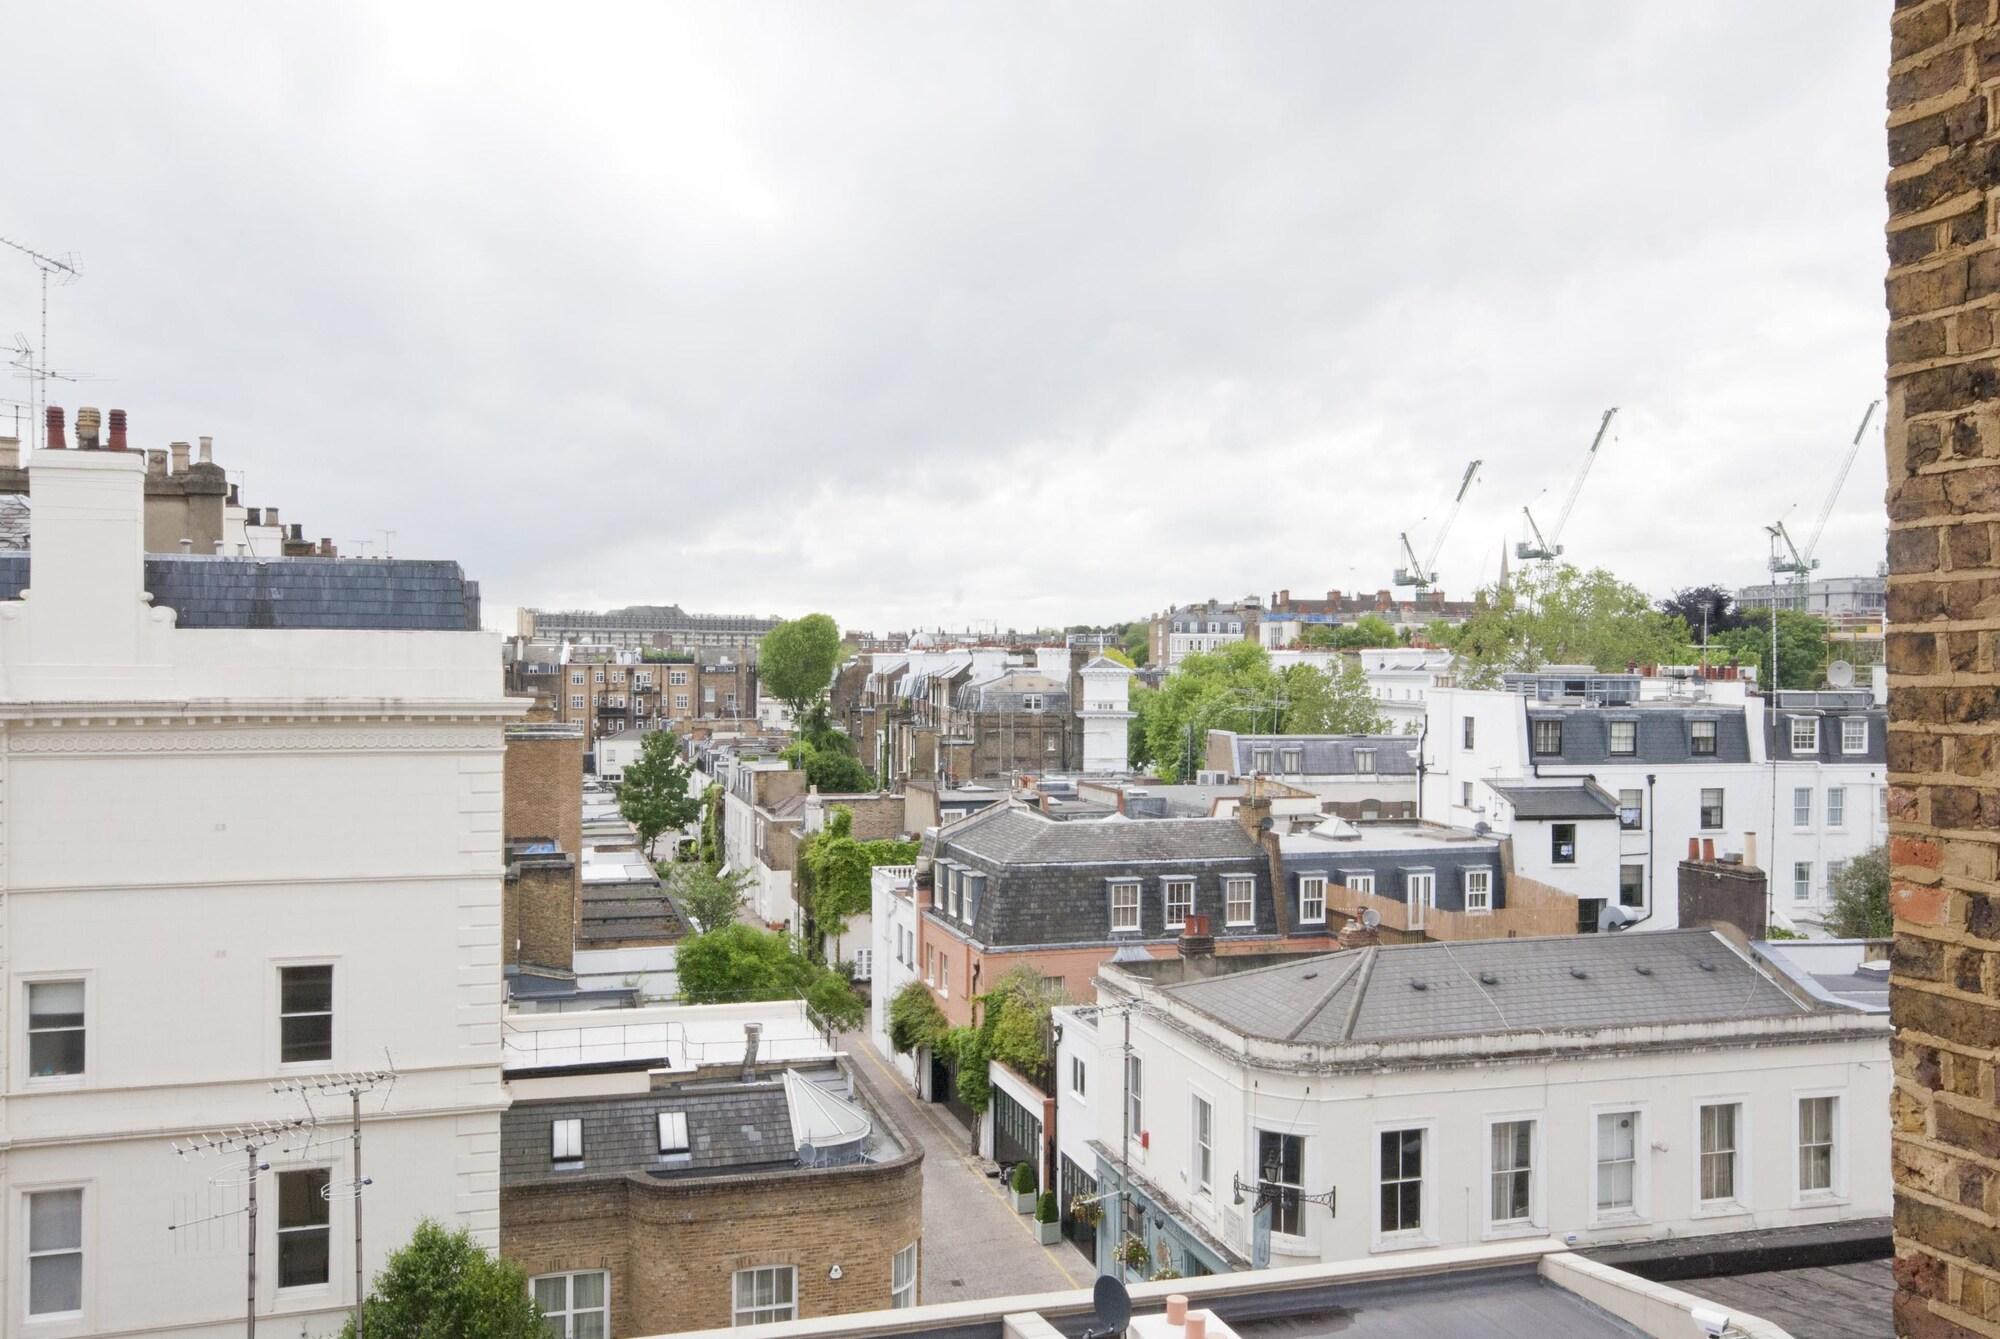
(1367, 968)
(1311, 1011)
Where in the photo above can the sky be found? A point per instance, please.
(945, 315)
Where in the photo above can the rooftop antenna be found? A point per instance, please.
(64, 267)
(354, 1083)
(250, 1140)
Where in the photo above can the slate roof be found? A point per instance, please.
(1662, 736)
(1581, 799)
(1831, 709)
(351, 593)
(1572, 983)
(1330, 755)
(1022, 837)
(16, 516)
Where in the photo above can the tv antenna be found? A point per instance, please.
(65, 269)
(250, 1140)
(354, 1083)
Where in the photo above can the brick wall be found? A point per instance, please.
(1712, 893)
(1943, 448)
(543, 778)
(540, 912)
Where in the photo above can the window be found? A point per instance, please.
(1281, 1175)
(1718, 1152)
(575, 1306)
(1204, 1146)
(1125, 905)
(1548, 737)
(1359, 881)
(566, 1140)
(1238, 907)
(1312, 899)
(1816, 1145)
(903, 1277)
(1617, 1161)
(576, 678)
(1805, 734)
(642, 680)
(1291, 761)
(1465, 794)
(1631, 810)
(1466, 732)
(1836, 806)
(864, 964)
(1711, 807)
(1834, 869)
(1402, 1185)
(599, 676)
(1631, 885)
(1031, 702)
(1134, 1107)
(55, 1252)
(930, 963)
(1801, 880)
(576, 701)
(765, 1294)
(1178, 900)
(680, 701)
(1854, 734)
(304, 1227)
(1802, 806)
(944, 976)
(1078, 1074)
(1420, 887)
(1512, 1177)
(55, 1028)
(305, 1013)
(677, 678)
(1624, 738)
(1364, 762)
(729, 702)
(673, 1131)
(1479, 890)
(1562, 843)
(1701, 738)
(1260, 760)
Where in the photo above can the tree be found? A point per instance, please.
(1138, 642)
(741, 962)
(1232, 688)
(836, 874)
(655, 795)
(711, 899)
(708, 849)
(1330, 702)
(915, 1020)
(1694, 604)
(1802, 647)
(443, 1285)
(832, 771)
(1860, 908)
(797, 659)
(1562, 615)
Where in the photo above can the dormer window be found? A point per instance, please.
(1854, 734)
(566, 1140)
(1624, 738)
(1364, 761)
(1805, 734)
(1292, 760)
(1031, 702)
(1701, 738)
(1548, 735)
(673, 1133)
(1260, 760)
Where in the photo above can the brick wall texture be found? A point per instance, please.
(1943, 448)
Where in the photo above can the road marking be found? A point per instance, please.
(954, 1138)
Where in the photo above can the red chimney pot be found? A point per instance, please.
(1708, 849)
(56, 439)
(1694, 848)
(117, 430)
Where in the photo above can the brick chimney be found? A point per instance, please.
(1197, 947)
(1356, 935)
(117, 430)
(55, 440)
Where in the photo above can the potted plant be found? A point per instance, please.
(1133, 1255)
(1087, 1212)
(1048, 1222)
(1024, 1187)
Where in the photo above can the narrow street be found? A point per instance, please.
(975, 1245)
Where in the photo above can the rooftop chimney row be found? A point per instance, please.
(87, 424)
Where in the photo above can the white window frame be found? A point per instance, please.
(1738, 1202)
(672, 1127)
(1031, 702)
(81, 1250)
(566, 1140)
(1364, 762)
(1290, 1243)
(576, 678)
(1836, 1192)
(1539, 726)
(576, 701)
(1836, 807)
(568, 1312)
(1312, 899)
(1201, 1143)
(278, 1015)
(1119, 902)
(29, 1079)
(1492, 1228)
(1135, 1088)
(1805, 734)
(1167, 899)
(1802, 806)
(677, 678)
(680, 701)
(1721, 794)
(1850, 726)
(902, 1295)
(1639, 1211)
(1231, 885)
(1426, 1233)
(279, 1231)
(1802, 879)
(1703, 732)
(1631, 734)
(1360, 881)
(1079, 1076)
(1479, 882)
(1291, 762)
(755, 1314)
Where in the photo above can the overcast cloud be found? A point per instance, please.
(934, 313)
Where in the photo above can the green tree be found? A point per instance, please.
(443, 1285)
(1138, 642)
(1561, 615)
(1710, 608)
(655, 795)
(1330, 702)
(709, 846)
(797, 659)
(915, 1020)
(835, 874)
(710, 898)
(1860, 908)
(834, 772)
(1803, 648)
(1233, 688)
(741, 962)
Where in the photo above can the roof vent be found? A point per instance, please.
(1705, 964)
(1579, 973)
(1643, 970)
(1488, 979)
(1312, 976)
(1419, 985)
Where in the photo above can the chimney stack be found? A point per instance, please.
(1356, 935)
(271, 518)
(10, 453)
(117, 430)
(751, 1031)
(1197, 946)
(88, 423)
(208, 450)
(180, 456)
(55, 440)
(298, 531)
(156, 462)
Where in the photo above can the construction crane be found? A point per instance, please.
(1798, 563)
(1423, 575)
(1545, 547)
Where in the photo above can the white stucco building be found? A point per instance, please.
(252, 837)
(1602, 1088)
(893, 924)
(1106, 715)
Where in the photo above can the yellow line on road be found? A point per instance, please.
(952, 1137)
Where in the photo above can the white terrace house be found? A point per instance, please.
(1382, 1099)
(253, 838)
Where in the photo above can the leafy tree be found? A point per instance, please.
(655, 796)
(1138, 643)
(1116, 654)
(835, 873)
(1318, 637)
(709, 847)
(1233, 688)
(915, 1020)
(1802, 647)
(1562, 615)
(832, 771)
(741, 962)
(711, 899)
(1860, 908)
(1330, 702)
(797, 660)
(1692, 604)
(443, 1285)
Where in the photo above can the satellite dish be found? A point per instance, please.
(1370, 918)
(1840, 674)
(1113, 1306)
(1482, 827)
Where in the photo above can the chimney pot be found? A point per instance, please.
(88, 425)
(156, 462)
(187, 546)
(1694, 848)
(180, 456)
(207, 450)
(271, 516)
(751, 1031)
(55, 440)
(253, 516)
(1708, 850)
(299, 531)
(118, 430)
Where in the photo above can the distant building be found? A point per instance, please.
(1189, 629)
(1360, 777)
(662, 626)
(1836, 598)
(1290, 615)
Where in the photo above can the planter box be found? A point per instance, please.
(1024, 1203)
(1050, 1233)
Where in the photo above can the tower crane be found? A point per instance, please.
(1544, 547)
(1423, 575)
(1798, 563)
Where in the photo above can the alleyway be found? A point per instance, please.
(975, 1245)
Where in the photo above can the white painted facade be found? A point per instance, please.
(1401, 679)
(189, 813)
(1106, 713)
(1086, 1077)
(892, 920)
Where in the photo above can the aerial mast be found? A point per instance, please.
(65, 268)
